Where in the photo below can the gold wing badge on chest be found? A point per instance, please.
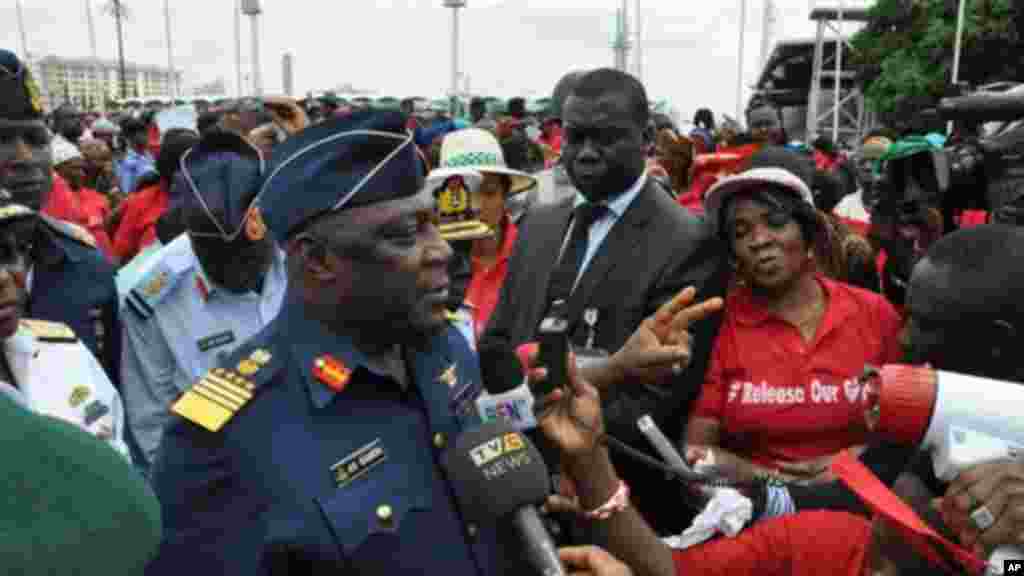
(221, 393)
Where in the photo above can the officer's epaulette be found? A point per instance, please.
(46, 331)
(70, 230)
(221, 393)
(152, 287)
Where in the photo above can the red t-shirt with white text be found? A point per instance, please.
(781, 399)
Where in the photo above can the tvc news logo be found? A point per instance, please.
(764, 394)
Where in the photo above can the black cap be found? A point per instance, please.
(20, 98)
(223, 173)
(361, 159)
(494, 471)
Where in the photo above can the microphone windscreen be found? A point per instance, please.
(495, 470)
(500, 370)
(983, 107)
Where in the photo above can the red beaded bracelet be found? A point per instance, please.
(617, 503)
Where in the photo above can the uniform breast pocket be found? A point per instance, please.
(368, 516)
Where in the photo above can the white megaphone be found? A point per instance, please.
(960, 420)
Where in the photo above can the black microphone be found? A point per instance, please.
(983, 107)
(496, 473)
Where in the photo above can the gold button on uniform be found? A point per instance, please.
(440, 441)
(384, 513)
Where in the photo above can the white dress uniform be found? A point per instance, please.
(55, 374)
(177, 326)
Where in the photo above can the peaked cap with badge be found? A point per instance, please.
(363, 158)
(20, 98)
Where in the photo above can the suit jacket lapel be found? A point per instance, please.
(617, 247)
(546, 237)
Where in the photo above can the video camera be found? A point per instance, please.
(988, 167)
(980, 168)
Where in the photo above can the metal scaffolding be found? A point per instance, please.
(835, 105)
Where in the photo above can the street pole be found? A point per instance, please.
(739, 72)
(170, 50)
(101, 80)
(257, 78)
(455, 5)
(120, 50)
(238, 49)
(839, 78)
(21, 32)
(956, 53)
(639, 55)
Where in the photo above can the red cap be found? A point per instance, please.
(906, 401)
(524, 352)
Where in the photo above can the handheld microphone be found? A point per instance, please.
(496, 473)
(508, 397)
(668, 452)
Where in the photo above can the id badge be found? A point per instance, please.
(588, 356)
(589, 353)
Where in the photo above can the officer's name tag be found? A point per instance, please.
(358, 463)
(216, 341)
(95, 411)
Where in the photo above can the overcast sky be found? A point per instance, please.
(403, 47)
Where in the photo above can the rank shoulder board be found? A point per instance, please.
(46, 331)
(221, 393)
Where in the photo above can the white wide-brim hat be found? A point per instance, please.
(475, 151)
(752, 179)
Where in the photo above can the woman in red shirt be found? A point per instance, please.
(781, 395)
(142, 209)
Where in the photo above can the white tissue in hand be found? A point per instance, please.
(727, 513)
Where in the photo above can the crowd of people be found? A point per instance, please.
(282, 314)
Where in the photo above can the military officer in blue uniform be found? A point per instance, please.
(206, 292)
(316, 447)
(69, 280)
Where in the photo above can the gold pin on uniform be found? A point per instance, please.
(260, 356)
(448, 377)
(247, 367)
(78, 395)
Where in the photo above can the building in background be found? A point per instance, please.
(82, 82)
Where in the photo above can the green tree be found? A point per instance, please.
(905, 53)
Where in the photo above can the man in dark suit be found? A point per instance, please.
(612, 255)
